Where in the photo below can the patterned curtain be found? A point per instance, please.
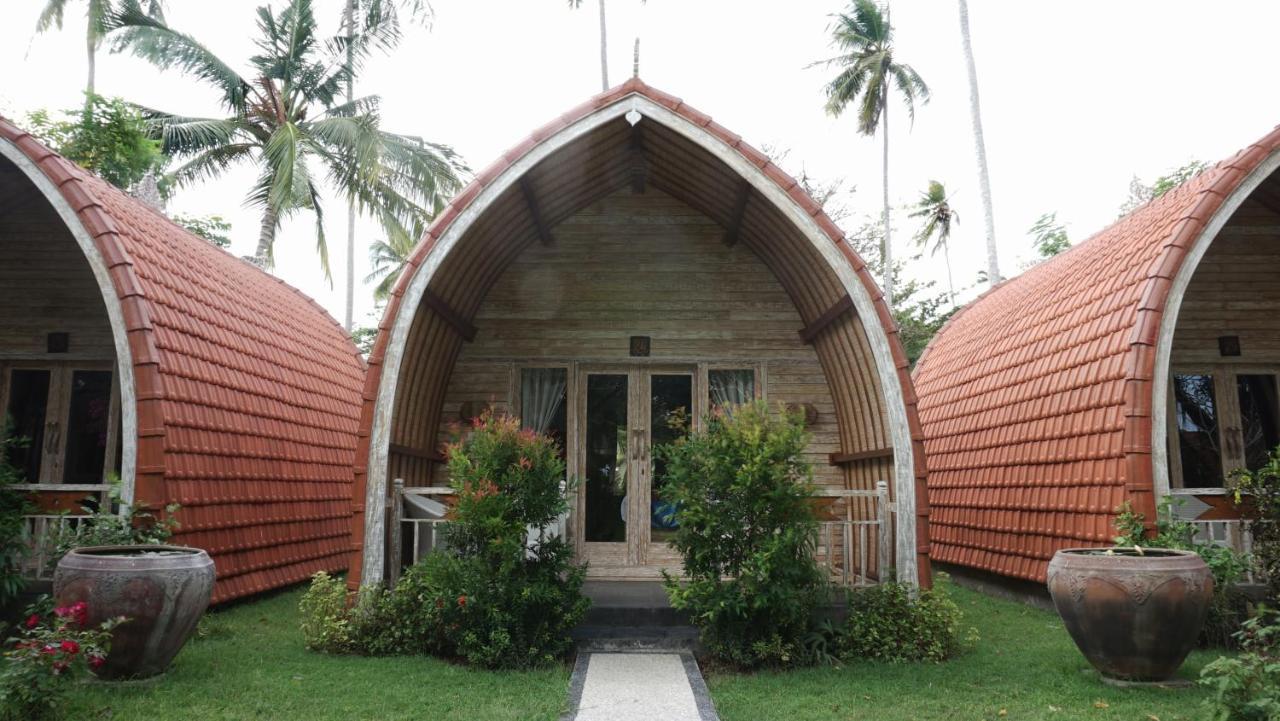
(731, 387)
(541, 395)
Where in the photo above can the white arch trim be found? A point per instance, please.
(1173, 306)
(373, 563)
(115, 312)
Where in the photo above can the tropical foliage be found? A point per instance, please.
(286, 118)
(107, 136)
(1247, 687)
(98, 16)
(213, 228)
(867, 73)
(888, 622)
(935, 211)
(747, 533)
(1259, 493)
(1048, 236)
(387, 259)
(1140, 193)
(13, 506)
(49, 652)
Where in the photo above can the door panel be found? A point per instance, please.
(87, 425)
(28, 411)
(670, 404)
(606, 458)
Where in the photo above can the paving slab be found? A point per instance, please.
(638, 687)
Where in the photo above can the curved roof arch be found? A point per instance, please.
(1037, 399)
(240, 395)
(634, 131)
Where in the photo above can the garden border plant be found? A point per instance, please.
(1259, 493)
(52, 648)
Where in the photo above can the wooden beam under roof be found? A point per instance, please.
(453, 318)
(435, 456)
(840, 459)
(639, 170)
(544, 233)
(739, 209)
(829, 316)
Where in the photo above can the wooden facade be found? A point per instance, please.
(634, 239)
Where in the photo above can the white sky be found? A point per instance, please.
(1077, 97)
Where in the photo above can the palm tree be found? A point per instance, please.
(419, 10)
(980, 148)
(864, 39)
(934, 207)
(98, 13)
(604, 44)
(388, 258)
(286, 119)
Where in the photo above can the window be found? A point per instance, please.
(543, 405)
(1258, 409)
(70, 418)
(730, 387)
(1196, 420)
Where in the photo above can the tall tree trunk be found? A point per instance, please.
(888, 242)
(349, 317)
(951, 284)
(604, 51)
(980, 148)
(91, 48)
(266, 237)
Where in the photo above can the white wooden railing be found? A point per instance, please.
(41, 534)
(856, 549)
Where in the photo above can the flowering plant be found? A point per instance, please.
(47, 652)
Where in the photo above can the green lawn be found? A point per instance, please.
(251, 664)
(1024, 667)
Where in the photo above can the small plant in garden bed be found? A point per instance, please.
(503, 595)
(13, 506)
(1259, 492)
(115, 524)
(49, 651)
(747, 533)
(887, 623)
(1247, 687)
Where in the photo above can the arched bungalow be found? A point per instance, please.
(1140, 363)
(630, 257)
(132, 348)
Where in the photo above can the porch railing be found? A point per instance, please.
(855, 540)
(41, 534)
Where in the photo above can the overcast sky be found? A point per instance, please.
(1077, 97)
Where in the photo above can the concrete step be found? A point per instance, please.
(635, 639)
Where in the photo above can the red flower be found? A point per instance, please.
(33, 621)
(95, 662)
(439, 603)
(70, 646)
(462, 600)
(49, 649)
(525, 463)
(59, 667)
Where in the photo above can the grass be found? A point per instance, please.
(1023, 667)
(250, 664)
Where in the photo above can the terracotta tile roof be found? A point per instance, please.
(789, 185)
(1036, 397)
(248, 392)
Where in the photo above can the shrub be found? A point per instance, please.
(1247, 687)
(49, 652)
(747, 533)
(504, 594)
(887, 623)
(1229, 607)
(13, 506)
(1259, 491)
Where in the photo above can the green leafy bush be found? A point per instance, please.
(504, 595)
(1247, 687)
(1259, 492)
(13, 506)
(888, 623)
(114, 523)
(49, 652)
(747, 533)
(1230, 607)
(107, 136)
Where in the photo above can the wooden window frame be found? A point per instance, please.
(60, 377)
(1227, 402)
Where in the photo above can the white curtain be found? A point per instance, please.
(731, 387)
(541, 395)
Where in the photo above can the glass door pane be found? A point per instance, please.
(28, 408)
(88, 417)
(1199, 445)
(670, 408)
(605, 471)
(1258, 422)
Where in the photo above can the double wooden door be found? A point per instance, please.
(626, 412)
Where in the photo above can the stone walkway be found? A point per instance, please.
(639, 686)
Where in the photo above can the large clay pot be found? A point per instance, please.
(1134, 616)
(162, 590)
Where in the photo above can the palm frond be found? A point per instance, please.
(282, 156)
(211, 163)
(51, 15)
(910, 86)
(152, 40)
(322, 244)
(187, 136)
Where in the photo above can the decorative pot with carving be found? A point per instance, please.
(161, 590)
(1135, 614)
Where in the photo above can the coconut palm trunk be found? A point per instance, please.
(349, 15)
(266, 235)
(951, 284)
(604, 51)
(980, 148)
(888, 242)
(91, 47)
